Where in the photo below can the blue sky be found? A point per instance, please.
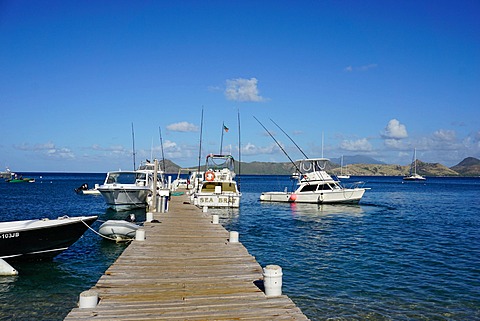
(377, 78)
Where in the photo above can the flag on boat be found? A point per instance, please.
(225, 128)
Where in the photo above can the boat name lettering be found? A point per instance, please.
(9, 235)
(211, 200)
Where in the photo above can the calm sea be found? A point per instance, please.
(409, 251)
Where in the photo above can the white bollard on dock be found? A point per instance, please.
(149, 217)
(205, 209)
(215, 219)
(88, 299)
(140, 235)
(272, 280)
(233, 237)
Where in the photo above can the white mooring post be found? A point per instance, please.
(140, 235)
(205, 209)
(88, 299)
(215, 219)
(272, 280)
(149, 217)
(233, 237)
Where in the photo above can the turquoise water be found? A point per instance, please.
(409, 251)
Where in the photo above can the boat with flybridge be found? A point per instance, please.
(315, 185)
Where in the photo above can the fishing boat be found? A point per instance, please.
(125, 190)
(219, 187)
(315, 185)
(119, 230)
(41, 238)
(413, 176)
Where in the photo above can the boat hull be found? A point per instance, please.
(351, 196)
(40, 239)
(122, 198)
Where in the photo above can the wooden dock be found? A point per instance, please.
(185, 269)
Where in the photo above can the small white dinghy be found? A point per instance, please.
(118, 230)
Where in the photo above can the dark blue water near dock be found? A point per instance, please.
(409, 251)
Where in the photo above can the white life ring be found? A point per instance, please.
(209, 176)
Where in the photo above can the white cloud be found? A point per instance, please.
(360, 68)
(242, 89)
(359, 145)
(445, 135)
(395, 130)
(251, 149)
(49, 149)
(182, 127)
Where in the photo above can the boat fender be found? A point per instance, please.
(209, 176)
(293, 197)
(320, 198)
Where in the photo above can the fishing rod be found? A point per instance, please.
(290, 138)
(283, 150)
(161, 146)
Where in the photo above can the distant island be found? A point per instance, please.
(470, 166)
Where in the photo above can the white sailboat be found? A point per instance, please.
(413, 176)
(342, 175)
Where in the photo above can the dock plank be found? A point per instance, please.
(186, 269)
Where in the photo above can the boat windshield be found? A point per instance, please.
(122, 178)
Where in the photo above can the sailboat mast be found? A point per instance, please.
(239, 151)
(200, 148)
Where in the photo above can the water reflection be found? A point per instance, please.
(322, 210)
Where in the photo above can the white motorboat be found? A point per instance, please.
(84, 190)
(41, 238)
(315, 185)
(118, 230)
(413, 176)
(219, 187)
(125, 190)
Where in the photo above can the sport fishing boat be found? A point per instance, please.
(125, 190)
(41, 238)
(315, 185)
(219, 187)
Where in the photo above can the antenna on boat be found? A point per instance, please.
(161, 146)
(290, 138)
(322, 143)
(133, 142)
(278, 144)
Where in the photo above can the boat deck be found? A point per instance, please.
(186, 269)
